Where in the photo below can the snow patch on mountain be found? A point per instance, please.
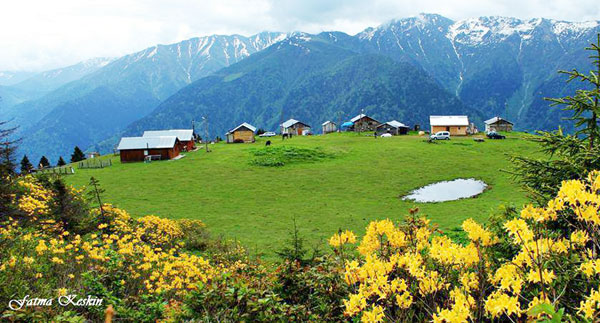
(475, 31)
(563, 28)
(153, 52)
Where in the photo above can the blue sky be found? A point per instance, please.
(44, 34)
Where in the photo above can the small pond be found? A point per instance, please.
(447, 190)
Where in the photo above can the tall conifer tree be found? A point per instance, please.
(26, 166)
(77, 155)
(44, 162)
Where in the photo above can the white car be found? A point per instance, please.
(386, 135)
(268, 134)
(440, 135)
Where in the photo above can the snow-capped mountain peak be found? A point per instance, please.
(480, 30)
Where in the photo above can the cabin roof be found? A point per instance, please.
(160, 142)
(496, 119)
(246, 125)
(360, 116)
(292, 122)
(181, 134)
(396, 124)
(449, 120)
(327, 122)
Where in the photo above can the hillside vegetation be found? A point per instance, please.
(361, 182)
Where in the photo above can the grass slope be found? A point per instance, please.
(362, 182)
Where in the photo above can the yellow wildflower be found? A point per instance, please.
(499, 303)
(374, 315)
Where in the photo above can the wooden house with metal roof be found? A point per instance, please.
(363, 122)
(136, 149)
(241, 134)
(185, 137)
(392, 127)
(498, 124)
(456, 125)
(293, 126)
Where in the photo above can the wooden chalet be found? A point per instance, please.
(456, 125)
(295, 127)
(498, 124)
(392, 127)
(92, 154)
(136, 149)
(363, 122)
(329, 126)
(185, 137)
(241, 134)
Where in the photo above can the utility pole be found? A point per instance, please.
(205, 133)
(362, 111)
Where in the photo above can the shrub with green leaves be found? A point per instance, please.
(283, 155)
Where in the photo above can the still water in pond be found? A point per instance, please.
(447, 191)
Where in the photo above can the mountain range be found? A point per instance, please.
(405, 69)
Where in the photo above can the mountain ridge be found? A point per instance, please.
(497, 65)
(132, 85)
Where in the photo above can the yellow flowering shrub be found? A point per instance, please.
(145, 252)
(410, 272)
(159, 230)
(34, 198)
(522, 270)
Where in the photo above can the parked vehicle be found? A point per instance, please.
(495, 135)
(268, 134)
(386, 135)
(440, 135)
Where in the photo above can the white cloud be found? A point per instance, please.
(42, 34)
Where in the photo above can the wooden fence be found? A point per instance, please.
(94, 163)
(64, 170)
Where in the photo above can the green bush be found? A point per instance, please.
(283, 155)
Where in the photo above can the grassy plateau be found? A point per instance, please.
(252, 193)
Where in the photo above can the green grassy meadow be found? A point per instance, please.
(360, 181)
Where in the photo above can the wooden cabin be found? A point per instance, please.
(363, 122)
(456, 125)
(241, 134)
(392, 127)
(185, 137)
(295, 127)
(92, 154)
(136, 149)
(498, 124)
(328, 127)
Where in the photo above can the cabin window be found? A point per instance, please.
(145, 152)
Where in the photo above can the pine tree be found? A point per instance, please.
(585, 103)
(8, 147)
(61, 162)
(573, 155)
(26, 166)
(7, 150)
(77, 155)
(44, 162)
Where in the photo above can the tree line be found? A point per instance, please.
(27, 167)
